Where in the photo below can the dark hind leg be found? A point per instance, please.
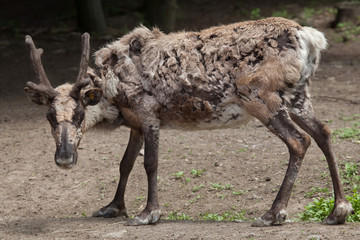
(117, 206)
(297, 142)
(270, 111)
(304, 116)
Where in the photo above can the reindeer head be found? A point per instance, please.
(67, 103)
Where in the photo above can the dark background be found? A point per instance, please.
(24, 16)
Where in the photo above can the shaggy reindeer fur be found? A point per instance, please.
(216, 78)
(202, 79)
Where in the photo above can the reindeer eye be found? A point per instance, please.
(51, 117)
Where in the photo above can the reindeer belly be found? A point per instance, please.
(204, 116)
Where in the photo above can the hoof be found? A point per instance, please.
(278, 219)
(281, 217)
(108, 212)
(150, 218)
(261, 223)
(339, 214)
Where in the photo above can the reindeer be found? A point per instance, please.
(220, 77)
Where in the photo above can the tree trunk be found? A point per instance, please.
(347, 12)
(90, 16)
(161, 13)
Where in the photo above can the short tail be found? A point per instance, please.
(311, 42)
(314, 38)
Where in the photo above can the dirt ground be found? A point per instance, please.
(40, 201)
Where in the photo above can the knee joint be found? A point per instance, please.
(299, 146)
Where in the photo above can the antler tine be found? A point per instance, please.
(81, 81)
(35, 56)
(85, 45)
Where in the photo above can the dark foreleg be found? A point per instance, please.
(151, 213)
(117, 206)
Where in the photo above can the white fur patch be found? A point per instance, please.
(311, 43)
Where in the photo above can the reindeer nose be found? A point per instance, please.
(65, 156)
(65, 163)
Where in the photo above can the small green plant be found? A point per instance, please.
(115, 179)
(178, 175)
(229, 215)
(351, 173)
(244, 149)
(222, 196)
(174, 215)
(238, 192)
(83, 214)
(197, 173)
(217, 186)
(140, 198)
(197, 188)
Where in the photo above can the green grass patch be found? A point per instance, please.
(197, 188)
(230, 216)
(197, 173)
(174, 215)
(178, 175)
(351, 133)
(219, 186)
(315, 191)
(348, 31)
(351, 118)
(321, 208)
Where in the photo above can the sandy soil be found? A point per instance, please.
(40, 201)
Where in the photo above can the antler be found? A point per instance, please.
(81, 81)
(35, 55)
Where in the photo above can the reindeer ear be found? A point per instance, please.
(38, 97)
(92, 96)
(135, 47)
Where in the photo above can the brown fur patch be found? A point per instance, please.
(64, 104)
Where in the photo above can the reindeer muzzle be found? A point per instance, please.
(66, 154)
